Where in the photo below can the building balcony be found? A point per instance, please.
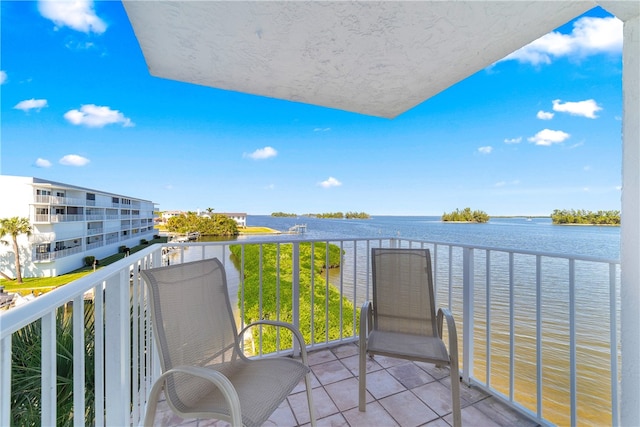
(539, 335)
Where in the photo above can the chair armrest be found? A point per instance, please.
(291, 327)
(366, 318)
(218, 379)
(444, 313)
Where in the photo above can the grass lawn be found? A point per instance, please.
(45, 284)
(258, 230)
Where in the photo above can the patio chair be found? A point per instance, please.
(204, 371)
(401, 320)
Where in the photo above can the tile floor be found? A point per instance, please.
(400, 393)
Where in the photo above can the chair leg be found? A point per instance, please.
(362, 378)
(312, 411)
(455, 395)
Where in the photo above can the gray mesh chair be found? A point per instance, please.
(401, 320)
(204, 371)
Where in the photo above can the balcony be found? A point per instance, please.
(534, 348)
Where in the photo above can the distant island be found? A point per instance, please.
(584, 217)
(284, 214)
(465, 215)
(333, 215)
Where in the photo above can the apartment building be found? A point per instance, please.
(69, 223)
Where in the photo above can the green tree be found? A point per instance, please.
(14, 227)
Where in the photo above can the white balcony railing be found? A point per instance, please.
(539, 331)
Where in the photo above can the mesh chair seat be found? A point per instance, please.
(408, 346)
(261, 384)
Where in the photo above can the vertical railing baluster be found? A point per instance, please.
(467, 312)
(572, 341)
(78, 361)
(99, 367)
(512, 344)
(260, 288)
(488, 317)
(613, 346)
(5, 380)
(312, 292)
(539, 336)
(48, 369)
(295, 283)
(450, 301)
(278, 293)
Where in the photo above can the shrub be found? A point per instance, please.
(144, 242)
(88, 260)
(123, 249)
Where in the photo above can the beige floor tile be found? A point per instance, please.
(382, 384)
(472, 417)
(407, 409)
(331, 372)
(469, 394)
(345, 351)
(336, 420)
(345, 394)
(410, 375)
(436, 372)
(353, 364)
(283, 416)
(502, 414)
(375, 415)
(302, 385)
(320, 356)
(322, 404)
(436, 396)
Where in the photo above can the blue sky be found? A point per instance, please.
(537, 131)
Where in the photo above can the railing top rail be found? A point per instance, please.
(18, 317)
(400, 239)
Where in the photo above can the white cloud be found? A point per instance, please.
(74, 160)
(505, 183)
(548, 137)
(587, 108)
(330, 182)
(31, 104)
(78, 15)
(262, 153)
(586, 168)
(95, 116)
(513, 140)
(3, 77)
(270, 187)
(321, 129)
(544, 115)
(485, 150)
(589, 36)
(42, 163)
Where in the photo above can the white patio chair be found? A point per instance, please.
(401, 320)
(204, 371)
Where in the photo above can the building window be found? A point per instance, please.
(43, 192)
(91, 196)
(42, 248)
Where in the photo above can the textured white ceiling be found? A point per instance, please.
(374, 58)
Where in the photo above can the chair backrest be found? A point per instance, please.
(193, 323)
(403, 298)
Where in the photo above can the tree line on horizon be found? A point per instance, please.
(333, 215)
(581, 216)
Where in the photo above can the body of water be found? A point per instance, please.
(533, 234)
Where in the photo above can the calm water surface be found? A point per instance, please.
(536, 234)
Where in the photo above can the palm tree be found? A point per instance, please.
(14, 227)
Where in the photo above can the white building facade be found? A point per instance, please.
(69, 223)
